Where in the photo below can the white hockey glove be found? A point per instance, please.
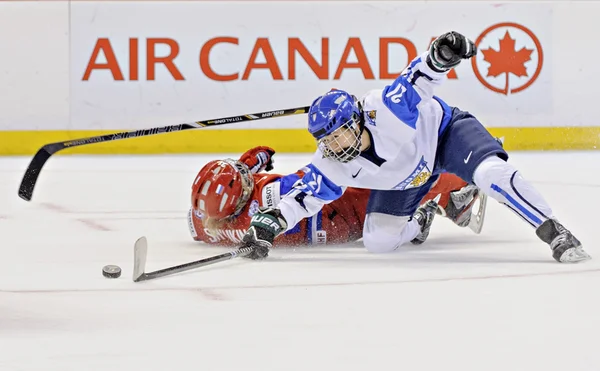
(448, 50)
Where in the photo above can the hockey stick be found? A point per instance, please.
(140, 252)
(43, 154)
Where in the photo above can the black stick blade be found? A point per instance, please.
(32, 173)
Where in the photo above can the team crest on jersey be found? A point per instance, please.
(417, 178)
(253, 208)
(371, 117)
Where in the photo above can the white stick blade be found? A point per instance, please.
(140, 252)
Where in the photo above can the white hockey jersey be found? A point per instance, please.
(403, 120)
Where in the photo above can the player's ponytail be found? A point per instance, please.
(214, 225)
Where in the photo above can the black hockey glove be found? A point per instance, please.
(448, 50)
(264, 226)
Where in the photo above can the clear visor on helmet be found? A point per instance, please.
(343, 144)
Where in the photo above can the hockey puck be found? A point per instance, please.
(111, 271)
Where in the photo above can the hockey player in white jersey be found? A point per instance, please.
(396, 141)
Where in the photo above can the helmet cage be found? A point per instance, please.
(247, 184)
(343, 144)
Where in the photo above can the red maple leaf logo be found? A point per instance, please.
(507, 60)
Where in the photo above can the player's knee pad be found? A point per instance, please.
(503, 182)
(385, 233)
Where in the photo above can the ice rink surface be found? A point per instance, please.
(495, 301)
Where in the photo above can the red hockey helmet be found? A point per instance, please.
(222, 188)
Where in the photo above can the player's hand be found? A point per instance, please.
(264, 226)
(258, 159)
(448, 50)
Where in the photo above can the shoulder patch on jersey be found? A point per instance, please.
(253, 208)
(417, 178)
(371, 117)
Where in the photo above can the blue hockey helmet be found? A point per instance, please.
(335, 120)
(331, 111)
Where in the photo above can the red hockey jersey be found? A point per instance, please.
(338, 222)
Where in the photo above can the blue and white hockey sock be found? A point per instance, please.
(503, 182)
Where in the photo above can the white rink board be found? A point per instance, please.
(192, 24)
(46, 89)
(34, 69)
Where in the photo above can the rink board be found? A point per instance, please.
(113, 66)
(290, 141)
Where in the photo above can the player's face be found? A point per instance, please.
(340, 139)
(343, 145)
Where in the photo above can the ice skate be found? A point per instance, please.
(459, 205)
(565, 247)
(424, 216)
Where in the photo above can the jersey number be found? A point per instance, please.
(394, 95)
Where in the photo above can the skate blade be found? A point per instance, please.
(477, 218)
(575, 255)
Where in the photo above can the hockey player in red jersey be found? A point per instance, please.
(226, 193)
